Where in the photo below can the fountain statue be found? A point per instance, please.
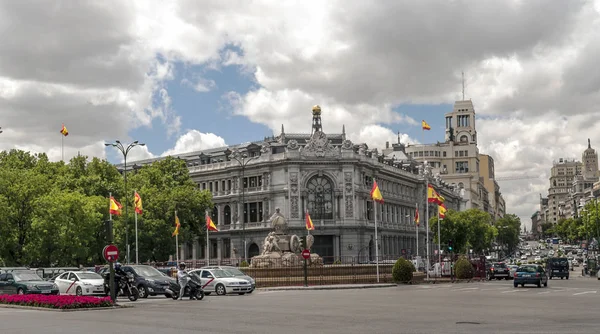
(281, 249)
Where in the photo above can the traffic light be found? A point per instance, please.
(449, 245)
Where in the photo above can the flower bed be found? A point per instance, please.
(56, 302)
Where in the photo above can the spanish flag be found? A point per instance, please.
(210, 225)
(114, 207)
(137, 201)
(177, 226)
(425, 126)
(417, 216)
(64, 131)
(375, 193)
(309, 224)
(442, 211)
(433, 196)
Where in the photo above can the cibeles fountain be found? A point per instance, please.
(281, 249)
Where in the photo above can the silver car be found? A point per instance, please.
(237, 273)
(222, 282)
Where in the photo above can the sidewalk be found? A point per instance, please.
(329, 287)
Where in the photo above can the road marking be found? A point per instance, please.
(464, 289)
(542, 293)
(583, 293)
(510, 291)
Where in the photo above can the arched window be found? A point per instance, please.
(464, 139)
(320, 197)
(227, 214)
(215, 215)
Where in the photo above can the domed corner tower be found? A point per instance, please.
(590, 162)
(316, 122)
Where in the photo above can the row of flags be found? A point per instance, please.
(432, 197)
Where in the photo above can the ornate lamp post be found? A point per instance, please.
(125, 150)
(243, 159)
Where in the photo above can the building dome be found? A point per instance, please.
(316, 110)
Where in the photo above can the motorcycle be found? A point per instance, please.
(193, 288)
(125, 285)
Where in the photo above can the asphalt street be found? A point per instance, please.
(566, 306)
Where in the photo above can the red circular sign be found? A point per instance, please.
(306, 254)
(110, 253)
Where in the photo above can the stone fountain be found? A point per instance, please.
(281, 249)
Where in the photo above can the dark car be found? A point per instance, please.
(558, 267)
(530, 274)
(24, 282)
(498, 270)
(149, 280)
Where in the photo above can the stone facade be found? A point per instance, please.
(325, 174)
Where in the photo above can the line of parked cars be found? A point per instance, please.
(149, 281)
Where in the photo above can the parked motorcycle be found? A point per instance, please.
(125, 285)
(193, 288)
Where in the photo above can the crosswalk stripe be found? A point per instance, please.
(583, 293)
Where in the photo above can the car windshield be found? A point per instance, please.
(222, 273)
(146, 271)
(559, 262)
(27, 276)
(499, 265)
(235, 272)
(527, 269)
(89, 276)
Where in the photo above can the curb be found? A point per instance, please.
(331, 287)
(33, 308)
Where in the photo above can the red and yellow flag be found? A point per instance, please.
(114, 207)
(210, 225)
(425, 126)
(417, 216)
(177, 226)
(433, 196)
(309, 224)
(137, 201)
(442, 211)
(64, 131)
(375, 193)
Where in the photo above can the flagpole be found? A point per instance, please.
(427, 229)
(207, 242)
(62, 146)
(439, 241)
(137, 260)
(417, 233)
(176, 241)
(376, 242)
(109, 213)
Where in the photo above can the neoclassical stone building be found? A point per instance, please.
(326, 174)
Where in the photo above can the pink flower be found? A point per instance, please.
(56, 301)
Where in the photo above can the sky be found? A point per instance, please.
(182, 76)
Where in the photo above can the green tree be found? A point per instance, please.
(454, 228)
(508, 228)
(469, 229)
(165, 186)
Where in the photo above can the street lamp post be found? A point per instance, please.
(243, 160)
(125, 150)
(426, 173)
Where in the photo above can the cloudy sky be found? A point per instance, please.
(188, 75)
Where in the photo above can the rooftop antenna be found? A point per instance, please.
(463, 85)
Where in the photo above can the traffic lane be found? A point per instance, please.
(403, 309)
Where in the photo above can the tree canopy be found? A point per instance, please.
(54, 212)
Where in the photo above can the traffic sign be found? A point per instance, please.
(110, 253)
(306, 254)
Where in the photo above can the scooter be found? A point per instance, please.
(193, 288)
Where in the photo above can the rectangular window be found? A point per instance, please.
(462, 167)
(203, 185)
(260, 181)
(253, 182)
(245, 182)
(444, 155)
(216, 185)
(210, 185)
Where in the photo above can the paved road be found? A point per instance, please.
(487, 307)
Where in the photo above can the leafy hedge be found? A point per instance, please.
(403, 270)
(463, 268)
(56, 302)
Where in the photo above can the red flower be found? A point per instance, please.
(59, 302)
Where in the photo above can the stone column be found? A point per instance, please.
(195, 249)
(219, 249)
(219, 214)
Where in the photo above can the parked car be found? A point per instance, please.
(149, 281)
(531, 274)
(80, 283)
(497, 270)
(237, 273)
(23, 282)
(222, 282)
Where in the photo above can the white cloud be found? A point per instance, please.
(195, 140)
(104, 71)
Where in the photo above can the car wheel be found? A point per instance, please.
(539, 283)
(522, 285)
(567, 277)
(79, 291)
(143, 291)
(546, 284)
(20, 291)
(221, 290)
(249, 292)
(516, 285)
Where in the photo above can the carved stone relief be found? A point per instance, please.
(319, 146)
(266, 179)
(294, 207)
(349, 206)
(265, 148)
(347, 145)
(293, 145)
(294, 199)
(349, 194)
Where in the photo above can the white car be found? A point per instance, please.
(80, 283)
(222, 282)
